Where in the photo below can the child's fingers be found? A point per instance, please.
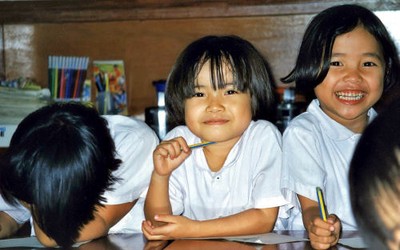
(145, 229)
(335, 223)
(320, 227)
(332, 218)
(172, 148)
(165, 218)
(149, 233)
(323, 234)
(180, 144)
(324, 239)
(161, 151)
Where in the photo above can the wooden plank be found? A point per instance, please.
(56, 11)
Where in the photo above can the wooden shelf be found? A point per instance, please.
(58, 11)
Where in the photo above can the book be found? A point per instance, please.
(109, 78)
(66, 76)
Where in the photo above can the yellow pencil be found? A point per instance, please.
(321, 203)
(201, 144)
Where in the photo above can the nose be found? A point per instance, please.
(215, 104)
(352, 75)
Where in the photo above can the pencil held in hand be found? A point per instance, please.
(201, 144)
(321, 204)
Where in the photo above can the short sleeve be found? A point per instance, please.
(266, 156)
(135, 143)
(18, 212)
(302, 167)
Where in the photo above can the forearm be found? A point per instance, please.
(309, 215)
(310, 211)
(8, 226)
(157, 199)
(252, 221)
(104, 218)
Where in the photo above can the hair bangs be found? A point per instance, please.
(223, 62)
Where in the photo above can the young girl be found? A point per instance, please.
(348, 58)
(217, 89)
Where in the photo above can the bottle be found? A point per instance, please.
(156, 116)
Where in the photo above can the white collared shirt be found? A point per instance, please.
(248, 179)
(316, 153)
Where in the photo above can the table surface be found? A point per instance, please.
(137, 241)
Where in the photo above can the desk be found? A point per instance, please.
(137, 241)
(225, 245)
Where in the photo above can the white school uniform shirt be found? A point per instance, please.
(18, 212)
(248, 179)
(316, 153)
(134, 142)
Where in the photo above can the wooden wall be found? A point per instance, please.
(148, 46)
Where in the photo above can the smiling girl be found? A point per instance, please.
(219, 91)
(348, 60)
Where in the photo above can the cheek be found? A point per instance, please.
(191, 112)
(245, 110)
(379, 87)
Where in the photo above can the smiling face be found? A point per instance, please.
(354, 82)
(220, 115)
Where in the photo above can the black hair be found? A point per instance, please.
(315, 52)
(374, 177)
(60, 161)
(249, 68)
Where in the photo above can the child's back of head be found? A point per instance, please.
(60, 162)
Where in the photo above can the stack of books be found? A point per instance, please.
(15, 105)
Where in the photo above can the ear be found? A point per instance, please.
(395, 243)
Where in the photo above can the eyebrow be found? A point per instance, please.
(368, 54)
(204, 85)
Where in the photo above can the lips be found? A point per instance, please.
(216, 121)
(350, 95)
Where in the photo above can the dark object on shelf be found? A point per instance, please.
(287, 109)
(156, 117)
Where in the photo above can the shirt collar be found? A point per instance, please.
(333, 129)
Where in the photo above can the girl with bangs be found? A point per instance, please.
(219, 91)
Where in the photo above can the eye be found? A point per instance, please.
(335, 63)
(369, 64)
(198, 94)
(231, 92)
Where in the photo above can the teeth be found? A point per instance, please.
(349, 96)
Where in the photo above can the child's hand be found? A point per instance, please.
(175, 226)
(324, 234)
(169, 155)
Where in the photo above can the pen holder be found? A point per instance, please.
(104, 103)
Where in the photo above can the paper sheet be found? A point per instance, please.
(354, 242)
(21, 242)
(31, 242)
(268, 238)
